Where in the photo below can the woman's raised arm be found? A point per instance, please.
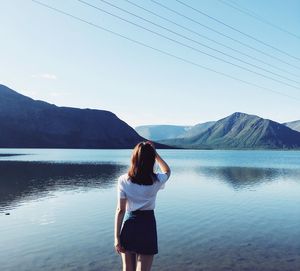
(164, 167)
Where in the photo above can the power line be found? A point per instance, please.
(250, 13)
(186, 45)
(224, 35)
(161, 51)
(212, 40)
(237, 30)
(187, 38)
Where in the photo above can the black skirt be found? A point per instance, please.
(139, 234)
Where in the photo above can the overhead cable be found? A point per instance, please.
(161, 51)
(224, 35)
(254, 15)
(211, 40)
(187, 45)
(237, 30)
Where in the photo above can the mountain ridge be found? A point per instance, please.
(241, 131)
(295, 125)
(29, 123)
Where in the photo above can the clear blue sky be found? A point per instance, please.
(51, 57)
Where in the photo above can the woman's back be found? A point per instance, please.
(140, 197)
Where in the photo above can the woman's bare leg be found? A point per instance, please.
(129, 261)
(144, 262)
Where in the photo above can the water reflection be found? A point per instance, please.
(247, 177)
(19, 180)
(222, 225)
(9, 154)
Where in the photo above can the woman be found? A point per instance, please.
(137, 240)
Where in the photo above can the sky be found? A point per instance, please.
(52, 57)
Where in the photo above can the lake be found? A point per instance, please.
(220, 210)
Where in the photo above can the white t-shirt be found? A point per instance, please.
(140, 197)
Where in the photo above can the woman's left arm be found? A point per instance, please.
(119, 216)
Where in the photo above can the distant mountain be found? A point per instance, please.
(241, 131)
(159, 132)
(27, 123)
(295, 125)
(198, 129)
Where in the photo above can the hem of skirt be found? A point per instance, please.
(141, 252)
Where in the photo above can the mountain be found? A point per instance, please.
(295, 125)
(159, 132)
(28, 123)
(198, 129)
(241, 131)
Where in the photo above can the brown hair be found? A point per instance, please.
(142, 163)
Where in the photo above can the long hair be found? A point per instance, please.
(142, 163)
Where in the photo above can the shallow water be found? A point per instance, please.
(221, 210)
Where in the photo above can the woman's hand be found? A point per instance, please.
(119, 249)
(152, 144)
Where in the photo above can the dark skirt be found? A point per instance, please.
(139, 233)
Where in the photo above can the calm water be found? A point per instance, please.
(221, 210)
